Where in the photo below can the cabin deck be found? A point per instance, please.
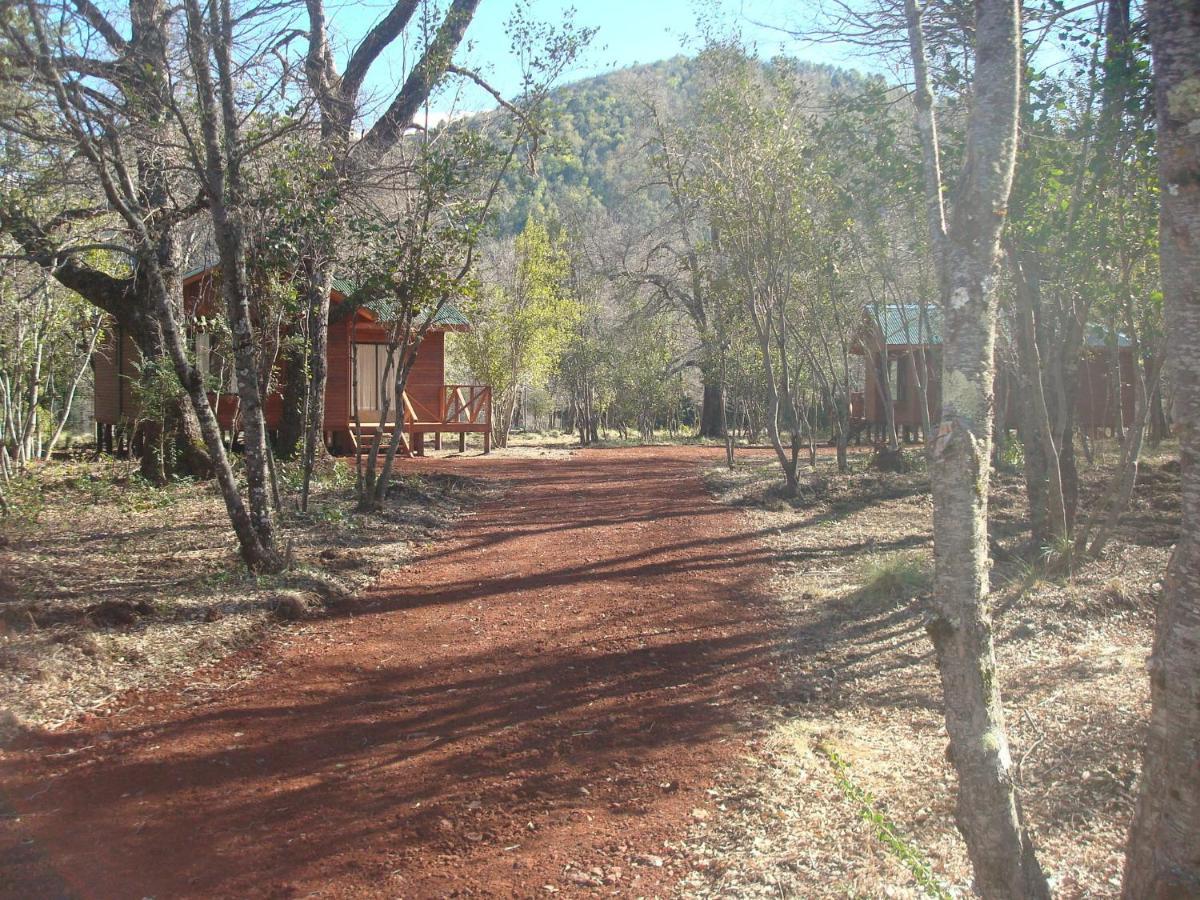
(460, 409)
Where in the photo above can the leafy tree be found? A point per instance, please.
(966, 244)
(523, 323)
(766, 192)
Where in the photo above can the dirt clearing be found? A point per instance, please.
(109, 583)
(537, 705)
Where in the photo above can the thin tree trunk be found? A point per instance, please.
(69, 401)
(1039, 413)
(1163, 855)
(728, 435)
(988, 810)
(317, 288)
(712, 418)
(791, 483)
(1116, 399)
(219, 126)
(1120, 488)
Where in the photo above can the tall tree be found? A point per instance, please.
(1163, 858)
(219, 157)
(524, 322)
(339, 102)
(766, 193)
(75, 85)
(966, 243)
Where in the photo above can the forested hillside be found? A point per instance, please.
(596, 138)
(611, 176)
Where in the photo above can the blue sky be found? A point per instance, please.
(629, 32)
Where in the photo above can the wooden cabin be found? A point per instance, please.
(902, 337)
(357, 343)
(906, 336)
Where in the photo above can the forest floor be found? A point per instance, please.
(600, 682)
(852, 793)
(109, 583)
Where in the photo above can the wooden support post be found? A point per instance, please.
(487, 442)
(419, 443)
(462, 442)
(437, 440)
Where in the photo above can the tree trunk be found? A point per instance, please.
(774, 403)
(318, 284)
(883, 383)
(1038, 415)
(1163, 856)
(711, 418)
(1158, 418)
(988, 810)
(143, 322)
(1114, 388)
(1120, 489)
(219, 126)
(289, 441)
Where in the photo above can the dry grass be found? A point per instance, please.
(111, 584)
(860, 680)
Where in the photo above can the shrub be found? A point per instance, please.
(895, 577)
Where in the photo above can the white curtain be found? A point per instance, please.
(371, 360)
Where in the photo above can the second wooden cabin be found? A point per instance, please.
(903, 337)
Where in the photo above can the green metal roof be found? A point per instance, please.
(449, 316)
(901, 323)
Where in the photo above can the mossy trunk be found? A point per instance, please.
(1163, 856)
(988, 811)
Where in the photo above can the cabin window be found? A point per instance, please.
(370, 362)
(200, 346)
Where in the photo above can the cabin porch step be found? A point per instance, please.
(403, 450)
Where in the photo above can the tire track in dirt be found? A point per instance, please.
(542, 698)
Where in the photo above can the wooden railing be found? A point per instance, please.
(467, 404)
(459, 405)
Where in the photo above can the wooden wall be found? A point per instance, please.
(114, 367)
(1097, 406)
(908, 406)
(114, 395)
(425, 380)
(337, 384)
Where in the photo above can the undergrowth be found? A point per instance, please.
(886, 830)
(895, 577)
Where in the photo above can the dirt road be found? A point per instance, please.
(535, 706)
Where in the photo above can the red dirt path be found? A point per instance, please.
(548, 691)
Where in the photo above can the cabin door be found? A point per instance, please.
(373, 386)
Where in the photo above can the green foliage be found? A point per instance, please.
(593, 148)
(885, 828)
(1010, 454)
(645, 386)
(523, 323)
